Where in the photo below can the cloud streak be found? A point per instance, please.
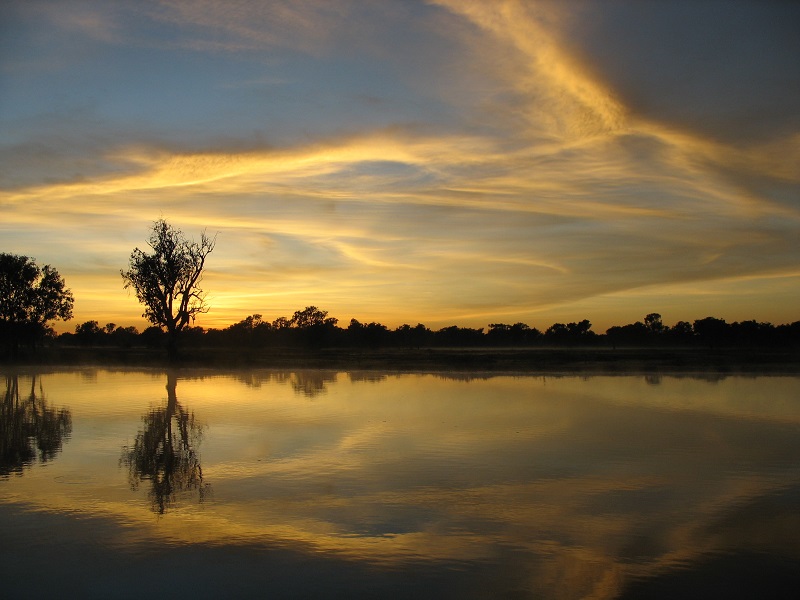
(426, 472)
(510, 174)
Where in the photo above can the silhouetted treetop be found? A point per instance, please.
(311, 316)
(30, 297)
(167, 280)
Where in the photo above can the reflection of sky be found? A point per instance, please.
(447, 162)
(592, 481)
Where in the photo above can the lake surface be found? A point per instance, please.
(255, 484)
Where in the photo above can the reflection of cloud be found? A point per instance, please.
(572, 518)
(587, 484)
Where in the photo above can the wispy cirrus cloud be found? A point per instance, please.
(442, 162)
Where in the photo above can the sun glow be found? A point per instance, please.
(502, 175)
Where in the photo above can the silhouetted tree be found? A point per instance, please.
(281, 323)
(30, 297)
(501, 334)
(459, 336)
(89, 333)
(681, 332)
(498, 330)
(167, 280)
(372, 334)
(788, 334)
(571, 333)
(654, 324)
(636, 334)
(193, 336)
(29, 428)
(165, 453)
(581, 329)
(311, 316)
(316, 327)
(651, 332)
(712, 331)
(153, 336)
(124, 336)
(418, 336)
(752, 333)
(251, 331)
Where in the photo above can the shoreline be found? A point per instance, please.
(528, 360)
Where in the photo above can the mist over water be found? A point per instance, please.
(366, 484)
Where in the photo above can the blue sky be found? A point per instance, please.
(451, 162)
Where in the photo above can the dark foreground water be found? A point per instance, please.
(130, 484)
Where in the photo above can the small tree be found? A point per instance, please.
(89, 333)
(654, 324)
(712, 331)
(167, 280)
(311, 316)
(315, 327)
(30, 297)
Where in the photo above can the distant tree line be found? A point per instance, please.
(311, 327)
(166, 280)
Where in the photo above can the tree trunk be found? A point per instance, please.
(172, 347)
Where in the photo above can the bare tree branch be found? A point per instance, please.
(169, 277)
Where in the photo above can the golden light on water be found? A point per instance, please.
(402, 470)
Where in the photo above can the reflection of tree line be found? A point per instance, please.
(309, 383)
(312, 383)
(29, 428)
(165, 453)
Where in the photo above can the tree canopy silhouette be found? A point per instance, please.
(167, 280)
(30, 297)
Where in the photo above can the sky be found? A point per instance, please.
(452, 162)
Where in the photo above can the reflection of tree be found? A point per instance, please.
(366, 376)
(29, 428)
(311, 383)
(653, 378)
(308, 383)
(165, 453)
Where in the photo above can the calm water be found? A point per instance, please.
(121, 484)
